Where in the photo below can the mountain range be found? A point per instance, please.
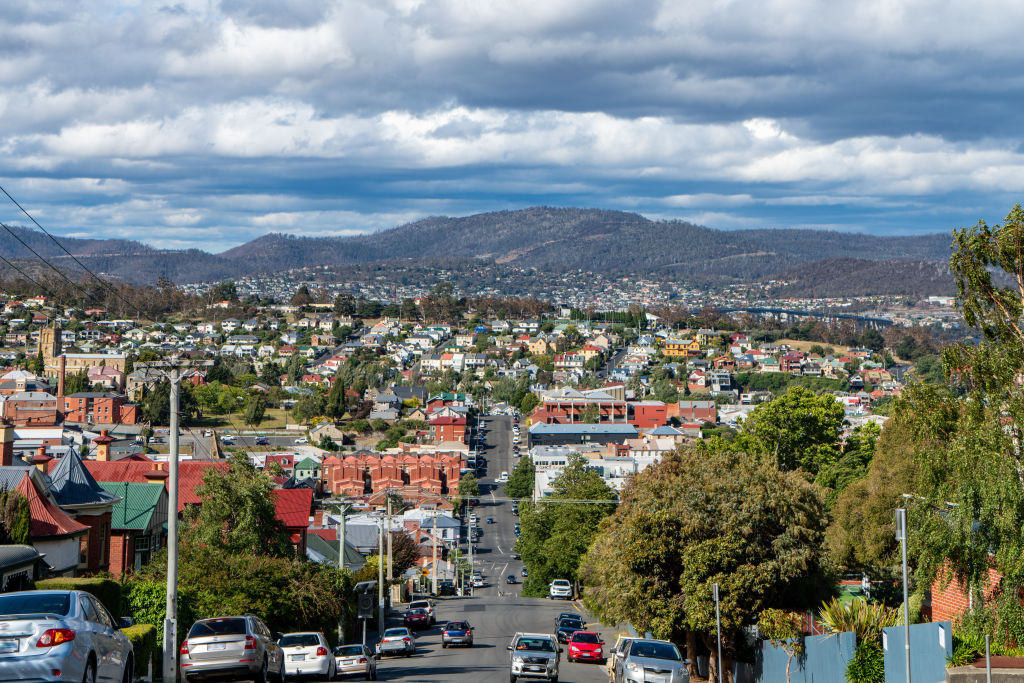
(550, 239)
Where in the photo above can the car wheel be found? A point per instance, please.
(90, 672)
(129, 669)
(261, 675)
(369, 675)
(512, 678)
(444, 646)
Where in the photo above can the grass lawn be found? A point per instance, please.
(274, 418)
(806, 345)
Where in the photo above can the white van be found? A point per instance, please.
(503, 477)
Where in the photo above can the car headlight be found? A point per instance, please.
(517, 660)
(632, 667)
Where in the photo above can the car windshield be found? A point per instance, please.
(417, 611)
(535, 644)
(655, 651)
(349, 650)
(36, 603)
(456, 626)
(218, 627)
(585, 638)
(570, 623)
(396, 632)
(560, 584)
(299, 640)
(419, 605)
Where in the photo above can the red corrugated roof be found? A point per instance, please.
(47, 518)
(293, 507)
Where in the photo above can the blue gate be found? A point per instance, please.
(930, 645)
(824, 661)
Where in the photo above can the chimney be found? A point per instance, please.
(6, 444)
(157, 475)
(41, 459)
(60, 376)
(103, 442)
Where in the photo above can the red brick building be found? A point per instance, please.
(99, 408)
(448, 429)
(648, 414)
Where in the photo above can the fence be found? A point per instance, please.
(824, 661)
(930, 645)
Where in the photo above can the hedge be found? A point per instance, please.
(106, 590)
(143, 637)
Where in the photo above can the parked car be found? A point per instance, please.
(416, 618)
(428, 605)
(659, 657)
(511, 578)
(523, 572)
(478, 582)
(397, 641)
(567, 627)
(306, 654)
(560, 588)
(457, 633)
(227, 438)
(534, 655)
(586, 646)
(262, 441)
(231, 647)
(302, 439)
(446, 587)
(617, 653)
(355, 660)
(69, 632)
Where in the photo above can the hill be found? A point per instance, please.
(550, 239)
(861, 277)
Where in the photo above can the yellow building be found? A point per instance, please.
(679, 348)
(539, 346)
(51, 350)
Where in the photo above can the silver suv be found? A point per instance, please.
(534, 655)
(232, 647)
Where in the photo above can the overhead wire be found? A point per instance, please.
(25, 244)
(103, 283)
(29, 278)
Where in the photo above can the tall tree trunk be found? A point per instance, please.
(691, 652)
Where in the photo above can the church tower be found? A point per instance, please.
(49, 348)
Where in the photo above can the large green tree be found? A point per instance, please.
(255, 409)
(800, 429)
(520, 481)
(556, 532)
(704, 516)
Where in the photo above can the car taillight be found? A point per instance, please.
(406, 638)
(321, 651)
(55, 636)
(184, 648)
(250, 643)
(362, 660)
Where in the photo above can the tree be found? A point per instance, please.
(469, 487)
(404, 553)
(302, 297)
(76, 382)
(520, 481)
(237, 514)
(706, 515)
(553, 535)
(591, 414)
(799, 429)
(255, 408)
(156, 404)
(15, 518)
(528, 403)
(335, 404)
(858, 450)
(782, 629)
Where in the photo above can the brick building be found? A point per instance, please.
(648, 414)
(448, 429)
(100, 408)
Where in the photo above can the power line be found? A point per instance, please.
(52, 267)
(26, 276)
(98, 279)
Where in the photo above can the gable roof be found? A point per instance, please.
(72, 485)
(136, 506)
(293, 507)
(48, 520)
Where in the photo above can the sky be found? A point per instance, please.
(207, 123)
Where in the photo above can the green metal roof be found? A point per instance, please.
(307, 464)
(137, 505)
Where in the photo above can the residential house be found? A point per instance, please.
(136, 524)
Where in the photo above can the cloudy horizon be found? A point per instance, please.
(207, 123)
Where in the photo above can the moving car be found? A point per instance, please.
(231, 647)
(534, 655)
(68, 632)
(457, 633)
(511, 578)
(262, 441)
(227, 438)
(523, 572)
(416, 618)
(586, 646)
(428, 605)
(397, 641)
(646, 659)
(355, 660)
(306, 654)
(478, 582)
(567, 627)
(617, 653)
(302, 439)
(570, 615)
(503, 478)
(560, 588)
(490, 520)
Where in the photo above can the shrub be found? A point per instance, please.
(106, 591)
(145, 646)
(867, 665)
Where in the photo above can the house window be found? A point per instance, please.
(83, 551)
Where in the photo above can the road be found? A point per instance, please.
(496, 611)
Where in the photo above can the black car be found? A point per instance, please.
(446, 587)
(511, 578)
(567, 627)
(570, 615)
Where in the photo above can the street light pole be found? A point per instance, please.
(433, 565)
(901, 536)
(718, 629)
(171, 615)
(380, 578)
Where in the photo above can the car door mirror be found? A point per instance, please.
(561, 650)
(278, 636)
(508, 647)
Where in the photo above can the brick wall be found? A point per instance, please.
(122, 554)
(952, 600)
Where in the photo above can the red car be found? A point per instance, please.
(586, 646)
(416, 618)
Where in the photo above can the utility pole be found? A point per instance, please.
(171, 615)
(433, 565)
(389, 541)
(380, 579)
(341, 566)
(901, 536)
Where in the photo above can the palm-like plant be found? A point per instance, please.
(865, 620)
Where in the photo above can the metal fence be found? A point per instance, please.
(930, 645)
(824, 660)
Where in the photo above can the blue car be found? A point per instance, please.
(457, 633)
(524, 572)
